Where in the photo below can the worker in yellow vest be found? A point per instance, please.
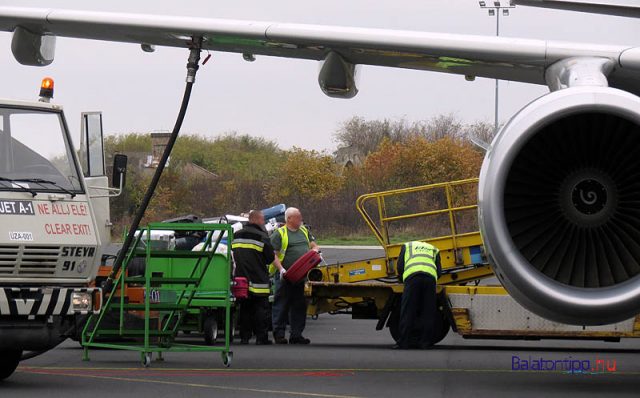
(290, 242)
(418, 268)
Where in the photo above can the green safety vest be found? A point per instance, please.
(285, 243)
(420, 257)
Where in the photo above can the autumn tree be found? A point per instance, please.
(365, 136)
(309, 180)
(483, 131)
(251, 172)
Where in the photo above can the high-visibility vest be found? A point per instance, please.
(420, 257)
(284, 234)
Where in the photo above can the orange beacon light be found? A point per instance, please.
(46, 89)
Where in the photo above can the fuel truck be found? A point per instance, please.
(54, 224)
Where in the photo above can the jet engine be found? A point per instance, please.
(559, 205)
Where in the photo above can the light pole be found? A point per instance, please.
(495, 10)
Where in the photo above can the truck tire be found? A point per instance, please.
(9, 361)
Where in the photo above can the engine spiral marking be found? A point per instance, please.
(591, 194)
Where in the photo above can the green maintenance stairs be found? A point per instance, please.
(173, 281)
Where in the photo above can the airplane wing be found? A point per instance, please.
(596, 7)
(522, 60)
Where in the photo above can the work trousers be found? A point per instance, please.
(417, 311)
(275, 308)
(289, 303)
(254, 317)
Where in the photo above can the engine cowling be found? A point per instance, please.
(559, 206)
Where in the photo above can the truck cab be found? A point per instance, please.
(54, 224)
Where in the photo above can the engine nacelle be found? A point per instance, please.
(559, 201)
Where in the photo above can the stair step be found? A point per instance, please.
(152, 307)
(176, 281)
(174, 254)
(131, 333)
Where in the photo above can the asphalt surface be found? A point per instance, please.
(347, 358)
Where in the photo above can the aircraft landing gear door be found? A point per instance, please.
(92, 160)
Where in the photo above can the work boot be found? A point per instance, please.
(264, 342)
(280, 340)
(299, 340)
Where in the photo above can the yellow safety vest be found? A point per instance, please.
(420, 257)
(285, 243)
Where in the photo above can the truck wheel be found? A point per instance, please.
(210, 329)
(9, 361)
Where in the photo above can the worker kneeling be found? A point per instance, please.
(419, 268)
(252, 252)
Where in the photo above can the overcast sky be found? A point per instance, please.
(279, 98)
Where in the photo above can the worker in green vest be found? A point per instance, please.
(290, 242)
(418, 268)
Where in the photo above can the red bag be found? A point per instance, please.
(299, 269)
(240, 287)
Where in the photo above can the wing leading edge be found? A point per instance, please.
(596, 7)
(522, 60)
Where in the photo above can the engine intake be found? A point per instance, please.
(560, 205)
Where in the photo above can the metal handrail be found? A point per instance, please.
(381, 231)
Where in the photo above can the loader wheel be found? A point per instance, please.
(9, 361)
(440, 328)
(394, 320)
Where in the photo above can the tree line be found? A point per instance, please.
(253, 172)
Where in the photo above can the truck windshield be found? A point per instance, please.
(34, 152)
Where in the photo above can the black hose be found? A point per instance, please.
(192, 67)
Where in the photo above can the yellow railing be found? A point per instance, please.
(379, 223)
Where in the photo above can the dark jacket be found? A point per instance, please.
(252, 253)
(400, 266)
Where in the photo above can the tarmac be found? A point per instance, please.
(346, 358)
